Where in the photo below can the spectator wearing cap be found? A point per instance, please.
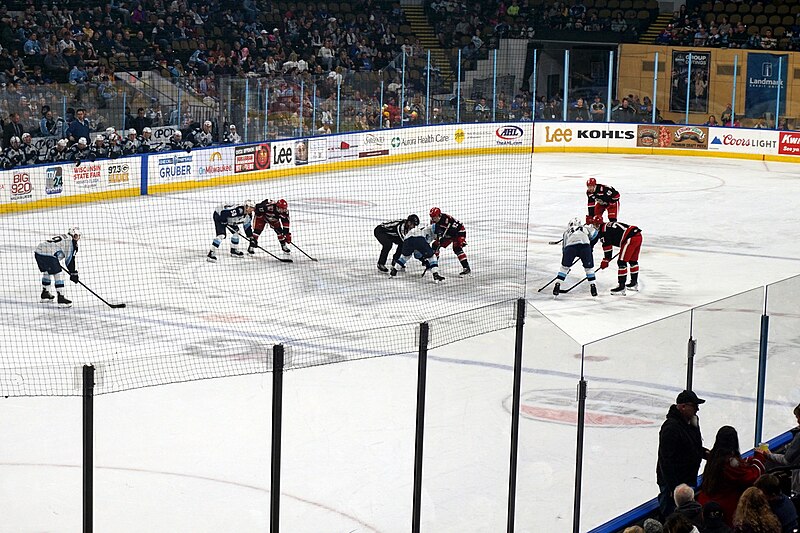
(713, 520)
(680, 449)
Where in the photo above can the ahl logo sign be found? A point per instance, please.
(54, 180)
(607, 408)
(509, 135)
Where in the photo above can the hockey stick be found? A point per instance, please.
(281, 259)
(555, 278)
(559, 241)
(305, 254)
(112, 306)
(584, 279)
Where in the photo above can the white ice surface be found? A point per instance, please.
(194, 457)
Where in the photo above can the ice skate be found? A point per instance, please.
(632, 286)
(557, 289)
(285, 248)
(251, 250)
(593, 289)
(393, 272)
(236, 253)
(382, 268)
(437, 277)
(211, 257)
(618, 291)
(63, 302)
(46, 297)
(464, 272)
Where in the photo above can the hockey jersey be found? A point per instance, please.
(234, 215)
(614, 234)
(581, 234)
(602, 195)
(268, 210)
(395, 228)
(62, 247)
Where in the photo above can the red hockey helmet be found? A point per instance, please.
(597, 220)
(435, 212)
(282, 205)
(591, 182)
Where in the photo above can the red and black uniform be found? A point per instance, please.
(629, 241)
(270, 212)
(448, 231)
(604, 198)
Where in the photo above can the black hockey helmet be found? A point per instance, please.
(413, 219)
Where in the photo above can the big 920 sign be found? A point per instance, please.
(21, 186)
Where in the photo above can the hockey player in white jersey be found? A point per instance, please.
(227, 218)
(577, 243)
(417, 242)
(54, 256)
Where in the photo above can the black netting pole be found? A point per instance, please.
(512, 470)
(277, 410)
(88, 448)
(422, 372)
(576, 508)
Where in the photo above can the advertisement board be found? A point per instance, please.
(212, 163)
(668, 136)
(556, 134)
(743, 141)
(689, 78)
(766, 84)
(789, 143)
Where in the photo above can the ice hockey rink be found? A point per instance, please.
(194, 457)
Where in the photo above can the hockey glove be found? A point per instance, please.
(77, 162)
(603, 264)
(73, 277)
(461, 241)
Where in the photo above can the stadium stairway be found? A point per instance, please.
(415, 15)
(661, 22)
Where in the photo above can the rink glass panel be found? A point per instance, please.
(782, 390)
(632, 379)
(726, 364)
(548, 409)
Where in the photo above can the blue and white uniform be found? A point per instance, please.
(577, 241)
(55, 255)
(227, 218)
(417, 242)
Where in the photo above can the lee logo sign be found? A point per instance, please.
(789, 143)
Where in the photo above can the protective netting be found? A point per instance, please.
(187, 318)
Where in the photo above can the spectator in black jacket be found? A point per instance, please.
(680, 449)
(12, 128)
(79, 127)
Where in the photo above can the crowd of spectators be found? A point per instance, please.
(693, 27)
(473, 26)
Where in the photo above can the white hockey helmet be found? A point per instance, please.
(82, 141)
(575, 223)
(207, 123)
(74, 231)
(62, 143)
(250, 203)
(178, 134)
(110, 131)
(100, 138)
(131, 132)
(147, 130)
(26, 136)
(15, 140)
(232, 127)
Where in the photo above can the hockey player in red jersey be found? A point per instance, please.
(276, 214)
(629, 240)
(449, 230)
(601, 198)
